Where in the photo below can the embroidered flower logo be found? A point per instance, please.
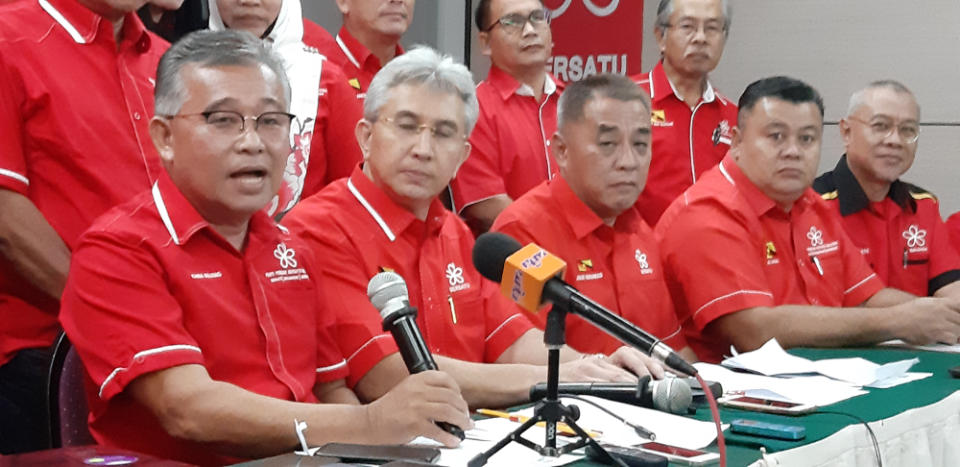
(915, 236)
(641, 258)
(815, 236)
(285, 255)
(454, 275)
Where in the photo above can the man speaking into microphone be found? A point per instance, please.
(602, 147)
(418, 114)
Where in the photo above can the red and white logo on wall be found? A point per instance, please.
(595, 36)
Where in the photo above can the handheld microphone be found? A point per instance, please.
(522, 277)
(388, 293)
(672, 395)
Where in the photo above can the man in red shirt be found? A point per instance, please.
(585, 215)
(198, 319)
(897, 225)
(386, 216)
(692, 121)
(518, 112)
(76, 87)
(324, 147)
(369, 38)
(753, 253)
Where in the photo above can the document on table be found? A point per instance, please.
(669, 429)
(771, 360)
(815, 390)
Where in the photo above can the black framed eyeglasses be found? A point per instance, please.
(514, 22)
(229, 121)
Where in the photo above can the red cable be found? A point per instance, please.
(721, 444)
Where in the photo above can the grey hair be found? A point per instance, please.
(858, 98)
(423, 65)
(208, 48)
(665, 9)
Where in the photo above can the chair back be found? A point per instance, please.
(67, 399)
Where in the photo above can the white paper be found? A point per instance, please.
(946, 348)
(488, 432)
(863, 372)
(902, 379)
(770, 359)
(814, 390)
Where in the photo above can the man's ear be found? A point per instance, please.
(660, 35)
(162, 136)
(343, 6)
(484, 38)
(558, 147)
(845, 130)
(363, 132)
(463, 158)
(735, 142)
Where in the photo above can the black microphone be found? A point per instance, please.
(490, 253)
(671, 395)
(388, 293)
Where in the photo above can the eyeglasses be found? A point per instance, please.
(514, 22)
(711, 29)
(267, 124)
(444, 135)
(883, 128)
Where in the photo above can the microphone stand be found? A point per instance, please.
(550, 410)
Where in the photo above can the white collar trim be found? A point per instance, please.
(164, 214)
(59, 18)
(549, 87)
(373, 212)
(346, 51)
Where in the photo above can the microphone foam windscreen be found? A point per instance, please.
(491, 252)
(386, 286)
(672, 395)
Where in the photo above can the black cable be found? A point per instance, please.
(873, 436)
(643, 432)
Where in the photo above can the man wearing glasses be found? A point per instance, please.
(692, 121)
(200, 320)
(418, 114)
(897, 225)
(518, 112)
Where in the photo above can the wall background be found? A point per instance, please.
(837, 46)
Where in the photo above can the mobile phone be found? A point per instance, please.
(370, 454)
(955, 372)
(767, 405)
(679, 455)
(768, 430)
(632, 457)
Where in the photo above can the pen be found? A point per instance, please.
(453, 309)
(562, 428)
(816, 262)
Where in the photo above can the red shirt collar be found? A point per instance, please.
(579, 216)
(661, 87)
(757, 199)
(507, 85)
(392, 218)
(183, 221)
(84, 25)
(360, 52)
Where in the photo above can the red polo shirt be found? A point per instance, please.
(316, 36)
(74, 110)
(953, 226)
(153, 286)
(510, 145)
(903, 237)
(728, 247)
(618, 267)
(357, 61)
(334, 150)
(357, 231)
(686, 142)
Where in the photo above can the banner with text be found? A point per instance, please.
(595, 36)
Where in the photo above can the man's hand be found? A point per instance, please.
(411, 408)
(929, 320)
(636, 362)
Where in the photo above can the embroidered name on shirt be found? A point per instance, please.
(206, 275)
(590, 277)
(641, 258)
(658, 117)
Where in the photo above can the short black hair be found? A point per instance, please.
(579, 93)
(781, 87)
(481, 15)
